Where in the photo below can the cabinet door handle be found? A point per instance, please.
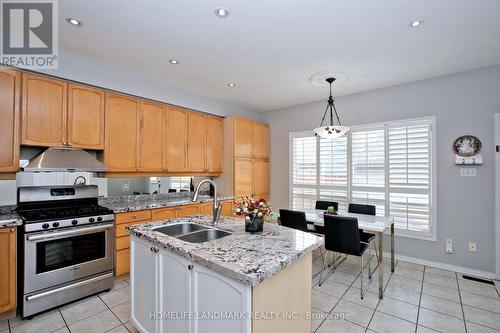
(190, 267)
(12, 230)
(152, 249)
(69, 144)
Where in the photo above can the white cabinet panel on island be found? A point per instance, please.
(239, 283)
(172, 294)
(143, 286)
(215, 294)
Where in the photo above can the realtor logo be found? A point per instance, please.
(29, 34)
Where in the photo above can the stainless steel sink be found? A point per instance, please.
(179, 229)
(191, 232)
(204, 236)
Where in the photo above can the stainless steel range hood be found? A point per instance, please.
(64, 159)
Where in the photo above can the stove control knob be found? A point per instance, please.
(45, 225)
(55, 224)
(74, 222)
(99, 219)
(91, 219)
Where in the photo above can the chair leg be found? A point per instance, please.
(369, 261)
(325, 256)
(361, 290)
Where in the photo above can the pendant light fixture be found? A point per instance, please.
(331, 131)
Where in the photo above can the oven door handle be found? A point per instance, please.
(59, 234)
(71, 286)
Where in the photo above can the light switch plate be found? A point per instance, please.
(472, 247)
(449, 246)
(468, 172)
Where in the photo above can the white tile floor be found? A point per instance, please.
(106, 312)
(417, 299)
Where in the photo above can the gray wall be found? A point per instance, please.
(463, 103)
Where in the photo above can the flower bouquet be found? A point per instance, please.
(254, 212)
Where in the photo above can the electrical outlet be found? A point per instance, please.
(468, 172)
(125, 186)
(449, 246)
(472, 247)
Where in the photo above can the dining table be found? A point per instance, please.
(377, 225)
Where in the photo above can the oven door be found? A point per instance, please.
(56, 257)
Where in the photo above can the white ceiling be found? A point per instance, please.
(270, 48)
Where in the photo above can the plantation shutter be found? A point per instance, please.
(303, 172)
(333, 171)
(368, 168)
(410, 176)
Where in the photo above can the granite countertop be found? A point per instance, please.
(248, 258)
(9, 217)
(133, 203)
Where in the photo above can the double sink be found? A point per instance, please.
(191, 232)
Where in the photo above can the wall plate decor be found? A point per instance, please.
(467, 146)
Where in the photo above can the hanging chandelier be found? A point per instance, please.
(331, 131)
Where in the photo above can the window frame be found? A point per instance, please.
(430, 235)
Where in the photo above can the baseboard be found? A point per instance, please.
(436, 264)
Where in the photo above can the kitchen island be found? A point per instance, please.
(238, 283)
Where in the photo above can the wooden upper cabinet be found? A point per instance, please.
(197, 142)
(243, 177)
(153, 121)
(85, 127)
(260, 178)
(260, 140)
(44, 105)
(214, 144)
(243, 133)
(10, 94)
(8, 264)
(121, 152)
(176, 140)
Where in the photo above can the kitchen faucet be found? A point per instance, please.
(217, 205)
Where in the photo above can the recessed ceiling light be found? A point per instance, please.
(174, 62)
(222, 12)
(415, 24)
(74, 21)
(231, 85)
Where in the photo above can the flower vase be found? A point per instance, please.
(254, 224)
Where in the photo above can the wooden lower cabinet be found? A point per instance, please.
(122, 237)
(164, 213)
(207, 208)
(122, 264)
(227, 208)
(8, 269)
(188, 210)
(123, 220)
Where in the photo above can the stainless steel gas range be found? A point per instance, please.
(65, 248)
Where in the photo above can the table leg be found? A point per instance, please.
(380, 236)
(392, 247)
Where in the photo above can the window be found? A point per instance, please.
(180, 183)
(388, 165)
(164, 184)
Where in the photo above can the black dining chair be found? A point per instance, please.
(295, 220)
(323, 205)
(365, 237)
(342, 235)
